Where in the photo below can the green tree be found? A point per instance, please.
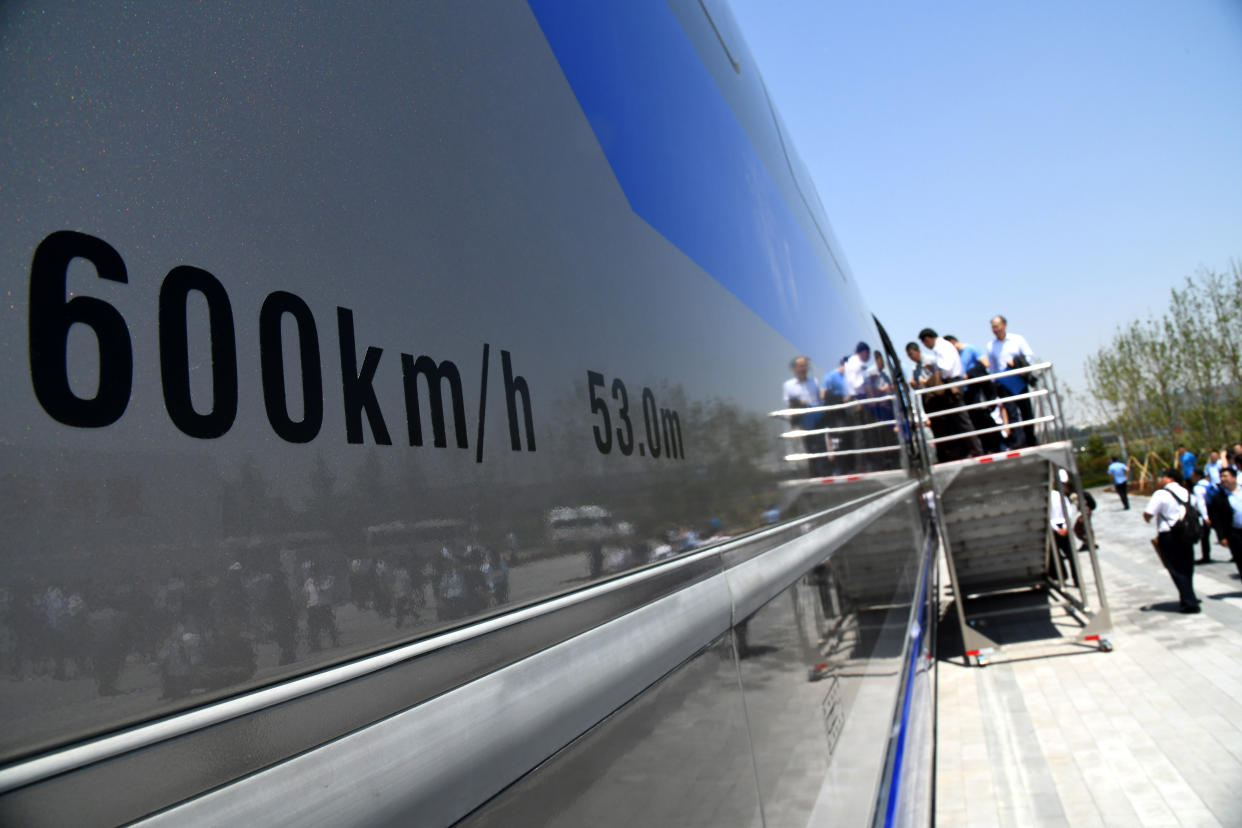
(1176, 378)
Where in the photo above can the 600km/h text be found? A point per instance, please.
(428, 385)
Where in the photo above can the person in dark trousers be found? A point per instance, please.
(927, 375)
(1229, 482)
(1061, 517)
(1168, 506)
(1080, 529)
(1120, 474)
(1005, 353)
(949, 364)
(1218, 507)
(1199, 495)
(975, 366)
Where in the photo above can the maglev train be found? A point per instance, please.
(394, 430)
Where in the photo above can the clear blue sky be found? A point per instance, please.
(1064, 164)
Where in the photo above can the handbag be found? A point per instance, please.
(1020, 362)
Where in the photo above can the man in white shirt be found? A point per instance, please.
(856, 372)
(802, 391)
(948, 360)
(856, 381)
(1002, 352)
(1062, 515)
(1212, 469)
(1168, 505)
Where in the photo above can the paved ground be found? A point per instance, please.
(1055, 733)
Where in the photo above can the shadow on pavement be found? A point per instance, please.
(1163, 606)
(1010, 618)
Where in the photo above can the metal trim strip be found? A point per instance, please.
(32, 770)
(184, 767)
(445, 757)
(645, 587)
(755, 582)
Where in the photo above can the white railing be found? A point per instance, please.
(827, 432)
(1045, 408)
(793, 458)
(816, 409)
(835, 429)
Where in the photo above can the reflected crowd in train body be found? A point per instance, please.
(167, 617)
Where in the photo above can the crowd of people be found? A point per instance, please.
(267, 604)
(965, 421)
(849, 438)
(982, 417)
(1191, 505)
(218, 626)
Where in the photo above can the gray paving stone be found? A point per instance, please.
(1053, 733)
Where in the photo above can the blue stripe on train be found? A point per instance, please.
(685, 162)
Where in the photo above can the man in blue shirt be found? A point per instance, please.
(971, 356)
(975, 365)
(1186, 460)
(835, 392)
(1121, 476)
(1005, 353)
(834, 384)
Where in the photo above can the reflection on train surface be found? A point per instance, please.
(390, 430)
(800, 693)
